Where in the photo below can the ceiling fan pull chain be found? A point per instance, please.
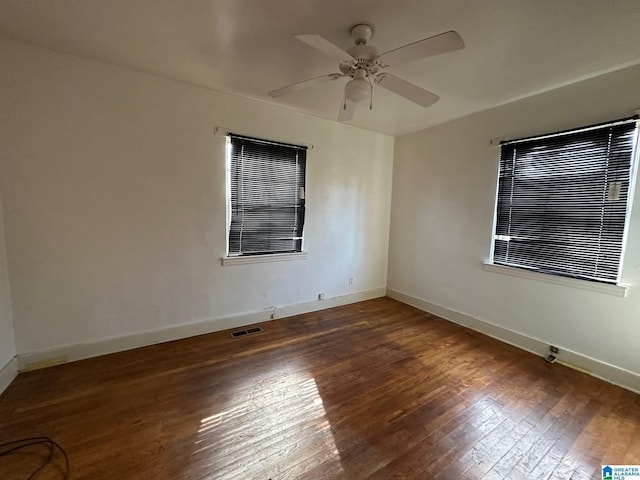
(370, 96)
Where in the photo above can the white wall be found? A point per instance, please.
(114, 211)
(114, 187)
(444, 187)
(7, 338)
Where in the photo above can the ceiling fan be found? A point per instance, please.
(364, 67)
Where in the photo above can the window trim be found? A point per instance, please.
(265, 258)
(616, 290)
(248, 258)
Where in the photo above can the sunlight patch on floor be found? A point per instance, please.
(275, 427)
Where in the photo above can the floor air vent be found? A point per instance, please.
(242, 333)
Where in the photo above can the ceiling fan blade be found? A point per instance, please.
(325, 46)
(347, 107)
(406, 89)
(296, 87)
(428, 47)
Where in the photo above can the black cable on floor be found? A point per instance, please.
(17, 445)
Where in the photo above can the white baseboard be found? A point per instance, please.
(8, 373)
(602, 370)
(79, 351)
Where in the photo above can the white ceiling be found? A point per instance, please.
(514, 48)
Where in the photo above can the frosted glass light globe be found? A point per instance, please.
(357, 90)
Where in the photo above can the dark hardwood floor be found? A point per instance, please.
(374, 390)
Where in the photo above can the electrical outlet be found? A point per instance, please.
(350, 280)
(553, 349)
(321, 296)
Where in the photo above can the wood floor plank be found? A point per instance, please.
(373, 390)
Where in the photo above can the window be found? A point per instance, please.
(266, 182)
(563, 201)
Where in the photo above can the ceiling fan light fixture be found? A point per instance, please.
(357, 89)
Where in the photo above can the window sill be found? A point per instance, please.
(615, 290)
(276, 257)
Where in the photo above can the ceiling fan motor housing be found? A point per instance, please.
(364, 56)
